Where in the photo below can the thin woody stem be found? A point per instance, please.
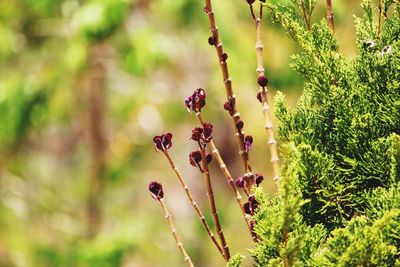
(307, 18)
(213, 207)
(228, 84)
(194, 204)
(229, 179)
(264, 103)
(379, 18)
(173, 231)
(329, 15)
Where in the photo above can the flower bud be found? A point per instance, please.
(156, 190)
(248, 141)
(207, 132)
(251, 205)
(239, 125)
(195, 158)
(197, 134)
(240, 182)
(211, 40)
(163, 142)
(262, 80)
(208, 158)
(258, 178)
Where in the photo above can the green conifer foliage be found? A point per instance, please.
(339, 198)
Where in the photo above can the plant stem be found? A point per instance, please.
(173, 231)
(228, 85)
(229, 179)
(194, 204)
(94, 93)
(264, 100)
(379, 18)
(329, 15)
(213, 207)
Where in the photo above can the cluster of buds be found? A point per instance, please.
(163, 142)
(195, 159)
(246, 180)
(156, 190)
(202, 135)
(196, 101)
(251, 205)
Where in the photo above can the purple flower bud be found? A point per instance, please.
(197, 133)
(239, 125)
(262, 80)
(240, 182)
(224, 57)
(251, 205)
(248, 141)
(259, 97)
(207, 132)
(208, 158)
(195, 158)
(156, 190)
(196, 101)
(163, 142)
(258, 178)
(211, 40)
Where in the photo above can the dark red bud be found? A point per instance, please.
(239, 125)
(195, 158)
(262, 81)
(259, 97)
(211, 40)
(167, 140)
(250, 2)
(258, 178)
(224, 57)
(227, 106)
(251, 205)
(196, 133)
(156, 190)
(208, 158)
(207, 132)
(158, 143)
(240, 182)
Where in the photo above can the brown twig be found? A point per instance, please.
(194, 204)
(307, 19)
(229, 179)
(329, 15)
(263, 91)
(213, 207)
(173, 231)
(228, 84)
(379, 18)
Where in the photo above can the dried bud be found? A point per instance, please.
(240, 182)
(224, 57)
(211, 40)
(262, 81)
(195, 158)
(251, 205)
(196, 101)
(258, 178)
(207, 132)
(239, 125)
(259, 97)
(163, 142)
(156, 190)
(208, 158)
(248, 141)
(197, 133)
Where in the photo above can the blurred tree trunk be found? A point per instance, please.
(93, 89)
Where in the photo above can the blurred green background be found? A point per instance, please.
(84, 87)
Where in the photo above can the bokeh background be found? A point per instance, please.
(84, 87)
